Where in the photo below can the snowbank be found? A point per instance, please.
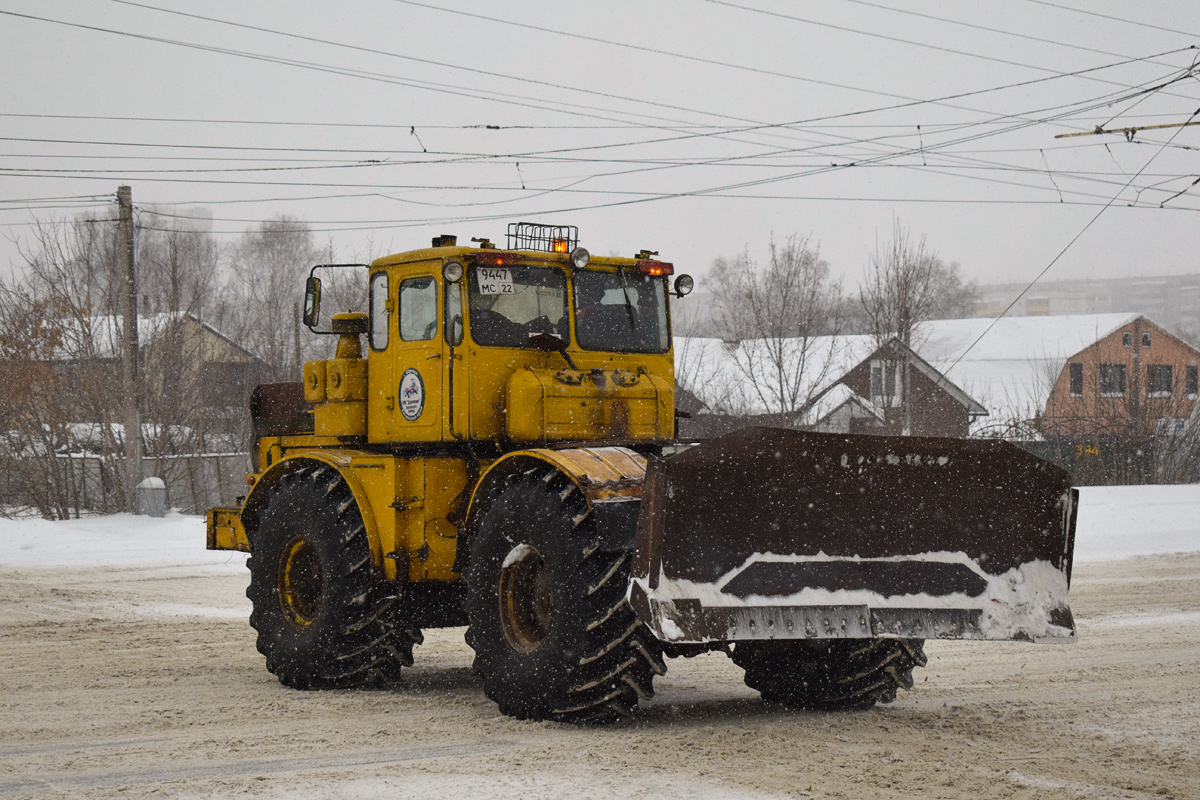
(1125, 521)
(119, 540)
(1114, 522)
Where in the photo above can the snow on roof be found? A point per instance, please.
(1013, 367)
(729, 377)
(105, 334)
(835, 398)
(1010, 371)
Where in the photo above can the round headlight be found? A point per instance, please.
(452, 271)
(684, 285)
(580, 258)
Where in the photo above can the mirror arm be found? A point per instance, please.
(457, 320)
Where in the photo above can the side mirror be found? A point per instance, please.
(312, 301)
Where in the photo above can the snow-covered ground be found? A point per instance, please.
(127, 668)
(1114, 522)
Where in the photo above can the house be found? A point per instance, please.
(1109, 397)
(1137, 378)
(187, 366)
(840, 384)
(938, 407)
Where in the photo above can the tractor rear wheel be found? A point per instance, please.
(552, 633)
(323, 620)
(832, 674)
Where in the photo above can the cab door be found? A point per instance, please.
(408, 388)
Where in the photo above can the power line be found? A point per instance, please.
(476, 126)
(491, 96)
(1114, 19)
(975, 26)
(896, 39)
(1062, 252)
(439, 64)
(476, 95)
(694, 58)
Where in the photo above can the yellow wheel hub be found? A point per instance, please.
(299, 582)
(526, 599)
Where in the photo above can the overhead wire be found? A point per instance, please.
(376, 51)
(987, 29)
(375, 76)
(626, 144)
(1097, 14)
(722, 189)
(889, 38)
(1064, 250)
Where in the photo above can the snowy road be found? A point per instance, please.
(127, 669)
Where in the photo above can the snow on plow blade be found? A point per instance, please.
(777, 534)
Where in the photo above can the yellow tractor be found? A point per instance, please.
(501, 453)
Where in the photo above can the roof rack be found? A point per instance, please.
(546, 238)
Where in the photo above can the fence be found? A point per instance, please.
(93, 483)
(1100, 462)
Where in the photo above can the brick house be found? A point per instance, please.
(1136, 379)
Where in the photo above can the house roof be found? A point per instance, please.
(1007, 374)
(105, 335)
(836, 397)
(1012, 369)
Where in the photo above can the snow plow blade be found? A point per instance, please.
(778, 534)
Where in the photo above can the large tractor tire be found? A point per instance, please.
(830, 675)
(323, 619)
(553, 636)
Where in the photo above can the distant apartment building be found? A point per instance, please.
(1172, 301)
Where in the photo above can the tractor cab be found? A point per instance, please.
(536, 343)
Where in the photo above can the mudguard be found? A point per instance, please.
(779, 534)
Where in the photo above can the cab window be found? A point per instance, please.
(628, 316)
(507, 305)
(418, 309)
(379, 313)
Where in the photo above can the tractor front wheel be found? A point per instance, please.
(552, 633)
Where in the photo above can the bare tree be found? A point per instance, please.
(269, 264)
(772, 318)
(177, 269)
(906, 283)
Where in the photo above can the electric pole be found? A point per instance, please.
(129, 349)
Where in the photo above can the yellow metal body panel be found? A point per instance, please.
(314, 381)
(225, 531)
(340, 419)
(566, 404)
(406, 504)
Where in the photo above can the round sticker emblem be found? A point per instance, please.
(412, 394)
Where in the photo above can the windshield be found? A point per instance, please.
(629, 316)
(507, 305)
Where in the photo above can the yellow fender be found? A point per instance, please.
(337, 460)
(601, 473)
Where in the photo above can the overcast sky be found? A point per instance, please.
(695, 128)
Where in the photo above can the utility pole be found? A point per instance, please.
(129, 349)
